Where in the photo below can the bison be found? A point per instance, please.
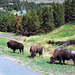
(15, 45)
(62, 54)
(34, 49)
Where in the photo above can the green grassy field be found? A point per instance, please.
(42, 65)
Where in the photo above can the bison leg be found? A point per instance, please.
(13, 50)
(63, 61)
(74, 61)
(40, 54)
(60, 61)
(22, 51)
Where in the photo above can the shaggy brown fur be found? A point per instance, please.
(34, 49)
(62, 54)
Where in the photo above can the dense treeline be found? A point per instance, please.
(41, 20)
(6, 22)
(69, 10)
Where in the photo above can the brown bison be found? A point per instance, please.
(34, 49)
(62, 55)
(15, 45)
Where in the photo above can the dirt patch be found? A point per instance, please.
(10, 37)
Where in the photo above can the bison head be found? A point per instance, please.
(8, 44)
(52, 59)
(33, 54)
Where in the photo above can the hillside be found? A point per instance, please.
(41, 65)
(63, 33)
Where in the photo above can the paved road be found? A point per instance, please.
(9, 68)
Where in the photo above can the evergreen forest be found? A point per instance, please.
(39, 18)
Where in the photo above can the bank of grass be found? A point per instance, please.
(42, 65)
(63, 33)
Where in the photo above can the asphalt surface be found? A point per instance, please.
(9, 68)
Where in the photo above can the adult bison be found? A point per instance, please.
(62, 55)
(34, 49)
(15, 45)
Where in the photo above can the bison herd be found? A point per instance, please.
(59, 54)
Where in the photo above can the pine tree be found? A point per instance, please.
(61, 15)
(73, 10)
(34, 21)
(30, 22)
(69, 10)
(55, 14)
(10, 27)
(52, 26)
(39, 13)
(25, 21)
(6, 22)
(46, 19)
(58, 14)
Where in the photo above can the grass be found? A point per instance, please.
(42, 65)
(63, 33)
(3, 43)
(59, 33)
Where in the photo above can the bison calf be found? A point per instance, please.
(62, 55)
(15, 45)
(34, 49)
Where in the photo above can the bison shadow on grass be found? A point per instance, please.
(15, 45)
(57, 63)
